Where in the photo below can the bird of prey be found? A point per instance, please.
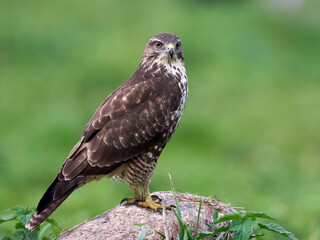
(129, 130)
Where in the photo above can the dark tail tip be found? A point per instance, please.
(57, 192)
(40, 217)
(35, 221)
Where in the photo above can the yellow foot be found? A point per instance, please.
(140, 198)
(135, 199)
(153, 203)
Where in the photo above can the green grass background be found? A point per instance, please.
(250, 132)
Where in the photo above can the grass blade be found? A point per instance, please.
(41, 233)
(177, 212)
(220, 236)
(215, 215)
(141, 236)
(181, 228)
(188, 231)
(210, 227)
(54, 223)
(198, 218)
(161, 234)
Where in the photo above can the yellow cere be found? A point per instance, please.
(170, 46)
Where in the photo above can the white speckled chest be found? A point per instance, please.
(179, 72)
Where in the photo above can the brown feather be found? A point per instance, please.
(127, 133)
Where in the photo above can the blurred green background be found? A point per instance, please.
(250, 132)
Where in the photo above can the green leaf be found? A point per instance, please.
(31, 235)
(242, 228)
(217, 230)
(258, 215)
(242, 213)
(141, 236)
(277, 229)
(16, 208)
(19, 235)
(221, 229)
(19, 225)
(53, 222)
(25, 214)
(204, 234)
(25, 235)
(256, 235)
(229, 216)
(8, 218)
(6, 238)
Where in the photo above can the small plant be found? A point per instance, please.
(244, 225)
(21, 216)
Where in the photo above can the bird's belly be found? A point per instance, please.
(139, 170)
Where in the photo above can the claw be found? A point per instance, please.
(174, 206)
(155, 197)
(123, 200)
(152, 202)
(129, 201)
(157, 207)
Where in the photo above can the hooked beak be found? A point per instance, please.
(170, 48)
(171, 52)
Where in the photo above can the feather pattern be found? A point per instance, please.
(128, 131)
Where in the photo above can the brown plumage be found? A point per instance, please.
(127, 133)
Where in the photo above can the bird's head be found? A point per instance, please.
(164, 47)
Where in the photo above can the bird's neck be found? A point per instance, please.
(155, 66)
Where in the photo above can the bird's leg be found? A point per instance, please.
(137, 197)
(152, 202)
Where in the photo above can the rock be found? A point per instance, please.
(128, 221)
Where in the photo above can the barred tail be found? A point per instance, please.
(57, 192)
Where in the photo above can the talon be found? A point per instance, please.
(123, 200)
(174, 206)
(169, 207)
(152, 202)
(137, 197)
(155, 197)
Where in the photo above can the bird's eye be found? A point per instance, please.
(178, 44)
(158, 44)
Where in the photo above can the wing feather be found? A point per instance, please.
(130, 121)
